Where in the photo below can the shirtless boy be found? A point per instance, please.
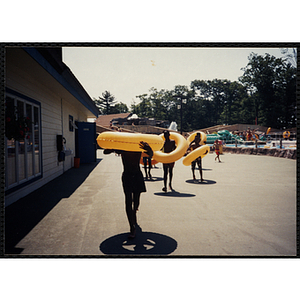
(133, 182)
(168, 147)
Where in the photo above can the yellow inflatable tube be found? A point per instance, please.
(200, 151)
(192, 136)
(181, 147)
(128, 141)
(286, 134)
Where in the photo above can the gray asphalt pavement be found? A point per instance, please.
(245, 207)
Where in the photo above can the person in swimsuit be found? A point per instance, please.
(132, 181)
(217, 150)
(147, 166)
(168, 147)
(248, 134)
(192, 146)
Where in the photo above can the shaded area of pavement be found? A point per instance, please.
(246, 206)
(22, 216)
(145, 243)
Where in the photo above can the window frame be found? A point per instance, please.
(18, 184)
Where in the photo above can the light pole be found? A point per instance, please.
(179, 106)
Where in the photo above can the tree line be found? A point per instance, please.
(264, 95)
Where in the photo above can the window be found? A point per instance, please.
(22, 141)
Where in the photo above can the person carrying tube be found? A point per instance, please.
(192, 146)
(132, 181)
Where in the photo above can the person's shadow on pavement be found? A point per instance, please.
(145, 243)
(174, 193)
(154, 179)
(198, 181)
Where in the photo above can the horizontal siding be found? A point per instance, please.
(50, 109)
(50, 161)
(49, 154)
(50, 170)
(51, 126)
(51, 122)
(56, 106)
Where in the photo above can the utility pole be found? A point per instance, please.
(180, 115)
(179, 106)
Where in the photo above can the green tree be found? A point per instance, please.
(247, 110)
(234, 93)
(290, 56)
(156, 100)
(133, 107)
(144, 108)
(271, 85)
(287, 96)
(119, 108)
(266, 91)
(169, 107)
(204, 108)
(105, 103)
(217, 99)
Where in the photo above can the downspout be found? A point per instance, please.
(62, 127)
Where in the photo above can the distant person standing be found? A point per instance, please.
(147, 166)
(217, 149)
(192, 146)
(248, 134)
(168, 147)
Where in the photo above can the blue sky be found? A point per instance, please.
(129, 72)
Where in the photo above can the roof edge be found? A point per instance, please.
(67, 79)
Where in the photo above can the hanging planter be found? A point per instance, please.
(16, 127)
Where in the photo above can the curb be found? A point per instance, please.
(285, 153)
